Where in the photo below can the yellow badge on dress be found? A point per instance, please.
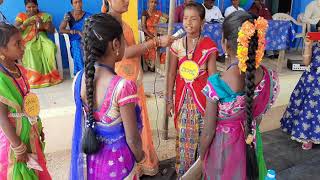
(31, 105)
(189, 70)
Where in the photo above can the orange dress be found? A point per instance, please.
(131, 69)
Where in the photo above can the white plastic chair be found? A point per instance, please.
(58, 54)
(286, 17)
(70, 59)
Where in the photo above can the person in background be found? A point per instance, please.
(130, 68)
(237, 99)
(312, 14)
(260, 9)
(74, 20)
(39, 57)
(150, 19)
(178, 17)
(213, 12)
(189, 104)
(301, 118)
(234, 7)
(2, 17)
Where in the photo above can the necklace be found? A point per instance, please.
(15, 72)
(30, 104)
(189, 56)
(10, 73)
(189, 69)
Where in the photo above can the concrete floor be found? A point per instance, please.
(281, 154)
(57, 107)
(57, 112)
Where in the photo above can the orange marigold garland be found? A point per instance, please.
(246, 32)
(261, 26)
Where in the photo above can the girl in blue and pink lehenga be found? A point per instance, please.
(106, 141)
(231, 144)
(75, 19)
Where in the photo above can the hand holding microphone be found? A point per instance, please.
(179, 34)
(166, 40)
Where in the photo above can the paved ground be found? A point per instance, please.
(281, 154)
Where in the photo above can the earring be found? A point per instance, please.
(2, 57)
(226, 55)
(117, 53)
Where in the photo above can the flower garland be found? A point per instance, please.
(247, 30)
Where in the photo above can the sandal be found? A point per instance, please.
(307, 146)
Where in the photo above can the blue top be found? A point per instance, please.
(76, 24)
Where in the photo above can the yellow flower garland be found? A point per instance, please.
(247, 30)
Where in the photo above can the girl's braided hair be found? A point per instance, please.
(99, 30)
(231, 27)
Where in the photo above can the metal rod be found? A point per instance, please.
(164, 118)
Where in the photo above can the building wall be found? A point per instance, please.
(299, 7)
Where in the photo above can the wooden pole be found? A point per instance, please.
(164, 117)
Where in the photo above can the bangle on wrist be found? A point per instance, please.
(21, 149)
(145, 47)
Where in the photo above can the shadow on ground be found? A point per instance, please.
(281, 154)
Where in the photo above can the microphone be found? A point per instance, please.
(179, 34)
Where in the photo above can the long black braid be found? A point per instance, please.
(99, 30)
(231, 27)
(252, 167)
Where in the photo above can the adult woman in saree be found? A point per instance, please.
(130, 68)
(149, 21)
(39, 57)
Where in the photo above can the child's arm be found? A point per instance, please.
(307, 54)
(128, 115)
(137, 50)
(10, 132)
(212, 66)
(173, 65)
(209, 127)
